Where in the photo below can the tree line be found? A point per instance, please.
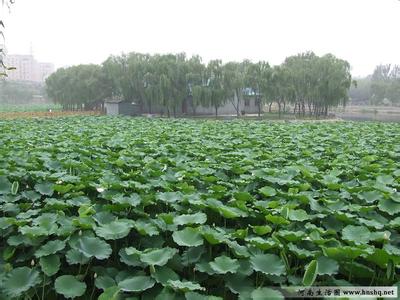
(303, 83)
(19, 92)
(382, 87)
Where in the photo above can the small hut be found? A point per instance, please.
(116, 107)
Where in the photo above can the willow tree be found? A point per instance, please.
(334, 84)
(196, 83)
(78, 87)
(215, 91)
(258, 79)
(234, 82)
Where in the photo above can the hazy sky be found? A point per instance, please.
(67, 32)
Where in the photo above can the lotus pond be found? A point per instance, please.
(131, 208)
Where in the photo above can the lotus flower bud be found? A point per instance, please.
(32, 262)
(80, 232)
(95, 275)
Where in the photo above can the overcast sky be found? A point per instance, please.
(68, 32)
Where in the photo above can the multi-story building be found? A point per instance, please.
(27, 68)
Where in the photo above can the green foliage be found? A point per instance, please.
(115, 208)
(175, 84)
(17, 94)
(385, 85)
(69, 286)
(82, 86)
(311, 273)
(19, 281)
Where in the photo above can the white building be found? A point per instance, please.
(27, 68)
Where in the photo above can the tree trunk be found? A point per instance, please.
(279, 108)
(216, 111)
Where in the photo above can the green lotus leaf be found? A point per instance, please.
(170, 197)
(91, 246)
(300, 252)
(20, 280)
(224, 264)
(327, 266)
(8, 253)
(230, 212)
(239, 284)
(34, 231)
(385, 179)
(345, 253)
(74, 257)
(69, 286)
(311, 273)
(380, 257)
(392, 250)
(163, 274)
(371, 196)
(277, 220)
(31, 195)
(238, 250)
(298, 215)
(104, 217)
(243, 196)
(359, 235)
(133, 200)
(395, 222)
(114, 230)
(192, 255)
(198, 218)
(50, 264)
(389, 206)
(291, 236)
(357, 270)
(371, 223)
(184, 286)
(145, 227)
(130, 256)
(261, 243)
(189, 237)
(5, 185)
(262, 230)
(5, 222)
(204, 267)
(111, 293)
(50, 247)
(197, 296)
(157, 257)
(45, 188)
(269, 264)
(136, 284)
(104, 282)
(267, 191)
(213, 236)
(266, 294)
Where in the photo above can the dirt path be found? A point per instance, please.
(15, 115)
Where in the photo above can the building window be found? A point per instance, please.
(246, 102)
